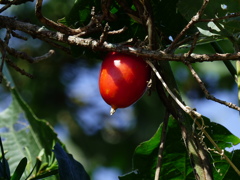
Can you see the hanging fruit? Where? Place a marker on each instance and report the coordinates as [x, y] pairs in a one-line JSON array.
[[123, 79]]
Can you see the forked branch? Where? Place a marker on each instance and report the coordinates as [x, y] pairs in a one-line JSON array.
[[188, 26], [195, 116]]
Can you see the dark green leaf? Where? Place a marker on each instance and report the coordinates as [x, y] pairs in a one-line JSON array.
[[80, 14], [20, 169], [4, 166], [69, 168], [221, 135], [231, 174], [176, 163]]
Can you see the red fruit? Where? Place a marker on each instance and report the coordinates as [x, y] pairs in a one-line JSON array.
[[123, 79]]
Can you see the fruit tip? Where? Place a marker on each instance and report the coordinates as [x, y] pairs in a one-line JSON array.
[[112, 111]]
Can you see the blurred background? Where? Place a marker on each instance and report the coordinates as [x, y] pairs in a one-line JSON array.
[[64, 91]]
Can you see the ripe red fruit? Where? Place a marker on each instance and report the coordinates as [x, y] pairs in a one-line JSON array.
[[123, 79]]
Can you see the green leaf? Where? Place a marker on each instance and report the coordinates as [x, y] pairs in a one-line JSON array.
[[20, 169], [176, 162], [145, 155], [222, 136], [4, 166], [69, 168], [231, 174], [80, 14], [24, 135]]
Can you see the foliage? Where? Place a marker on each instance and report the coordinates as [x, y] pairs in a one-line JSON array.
[[33, 139], [32, 148], [25, 136], [69, 168], [176, 163], [222, 28]]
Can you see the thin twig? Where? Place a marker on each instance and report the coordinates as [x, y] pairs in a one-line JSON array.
[[161, 146], [195, 38], [15, 3], [18, 69], [38, 32], [7, 6], [119, 31], [91, 27], [16, 35], [106, 6], [182, 42], [56, 44], [43, 57], [104, 34], [195, 116], [200, 82], [4, 53], [25, 56], [190, 24], [219, 150], [220, 18], [184, 108], [205, 91], [195, 75], [133, 14]]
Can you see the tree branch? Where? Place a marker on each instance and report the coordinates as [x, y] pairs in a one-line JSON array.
[[190, 24], [162, 145], [91, 27], [14, 2], [220, 18], [25, 56], [42, 33], [8, 3], [18, 69]]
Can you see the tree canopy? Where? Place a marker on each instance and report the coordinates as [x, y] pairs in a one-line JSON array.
[[51, 53]]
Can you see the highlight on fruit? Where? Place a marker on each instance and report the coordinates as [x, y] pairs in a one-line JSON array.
[[123, 79]]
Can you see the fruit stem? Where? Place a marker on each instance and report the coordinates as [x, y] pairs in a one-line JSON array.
[[112, 111]]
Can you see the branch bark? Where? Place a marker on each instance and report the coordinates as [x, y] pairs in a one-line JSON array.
[[43, 33]]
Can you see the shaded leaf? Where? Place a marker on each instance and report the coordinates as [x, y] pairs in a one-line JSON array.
[[4, 166], [80, 14], [176, 164], [69, 168], [20, 169]]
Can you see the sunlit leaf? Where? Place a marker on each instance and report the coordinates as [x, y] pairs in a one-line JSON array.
[[176, 163], [24, 135]]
